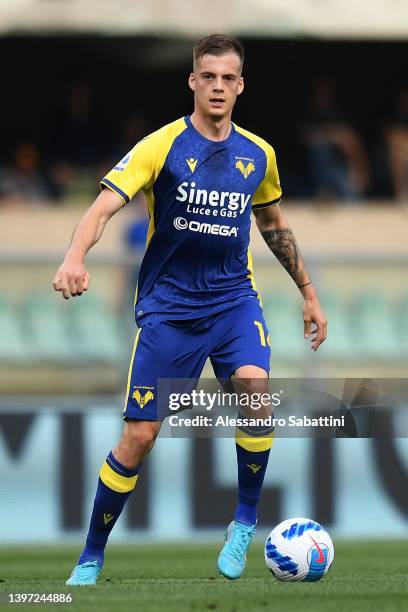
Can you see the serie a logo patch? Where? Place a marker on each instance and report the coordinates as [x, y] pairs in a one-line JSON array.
[[120, 166]]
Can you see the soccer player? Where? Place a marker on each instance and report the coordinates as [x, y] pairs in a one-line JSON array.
[[202, 176]]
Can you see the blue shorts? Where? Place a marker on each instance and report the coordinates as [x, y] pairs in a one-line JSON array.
[[179, 349]]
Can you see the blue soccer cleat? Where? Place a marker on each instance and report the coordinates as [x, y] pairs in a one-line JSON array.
[[232, 559], [85, 574]]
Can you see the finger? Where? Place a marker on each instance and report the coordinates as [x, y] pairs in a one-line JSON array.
[[64, 289], [307, 328], [85, 281], [72, 287], [56, 283], [80, 286], [319, 333], [315, 343], [320, 337]]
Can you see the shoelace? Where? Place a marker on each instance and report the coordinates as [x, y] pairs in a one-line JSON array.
[[240, 543]]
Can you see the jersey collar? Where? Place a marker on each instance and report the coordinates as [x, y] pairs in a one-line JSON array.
[[215, 143]]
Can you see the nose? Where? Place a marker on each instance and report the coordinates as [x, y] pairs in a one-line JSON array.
[[217, 86]]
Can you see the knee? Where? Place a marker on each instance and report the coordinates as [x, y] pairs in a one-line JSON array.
[[251, 379], [142, 434], [138, 438]]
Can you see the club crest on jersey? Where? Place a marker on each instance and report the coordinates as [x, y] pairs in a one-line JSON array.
[[245, 166], [191, 162], [143, 398]]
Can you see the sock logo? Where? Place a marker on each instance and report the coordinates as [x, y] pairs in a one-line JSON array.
[[107, 518], [255, 468], [142, 400]]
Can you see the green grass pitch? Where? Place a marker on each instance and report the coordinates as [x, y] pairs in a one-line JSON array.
[[365, 576]]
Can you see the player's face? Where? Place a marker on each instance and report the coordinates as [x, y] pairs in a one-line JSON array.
[[216, 82]]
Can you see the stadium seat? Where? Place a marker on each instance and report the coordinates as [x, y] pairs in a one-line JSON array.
[[13, 347], [97, 329], [46, 331], [283, 314], [374, 328]]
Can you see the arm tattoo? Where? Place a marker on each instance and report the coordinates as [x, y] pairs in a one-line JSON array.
[[283, 245]]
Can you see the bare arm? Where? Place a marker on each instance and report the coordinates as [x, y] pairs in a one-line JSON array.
[[279, 237], [72, 277]]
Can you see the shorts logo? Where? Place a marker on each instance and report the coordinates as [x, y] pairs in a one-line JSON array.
[[205, 228], [191, 162], [245, 169], [141, 399]]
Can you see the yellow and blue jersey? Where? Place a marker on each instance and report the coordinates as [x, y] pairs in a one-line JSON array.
[[200, 194]]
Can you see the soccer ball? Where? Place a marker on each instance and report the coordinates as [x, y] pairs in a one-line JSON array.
[[299, 549]]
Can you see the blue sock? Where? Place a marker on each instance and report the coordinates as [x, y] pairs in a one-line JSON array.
[[115, 484], [251, 472]]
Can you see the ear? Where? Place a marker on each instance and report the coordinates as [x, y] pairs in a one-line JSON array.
[[241, 86], [191, 81]]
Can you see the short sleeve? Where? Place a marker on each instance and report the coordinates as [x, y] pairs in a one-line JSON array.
[[134, 172], [269, 191]]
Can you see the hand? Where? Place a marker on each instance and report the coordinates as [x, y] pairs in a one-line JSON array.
[[71, 278], [313, 314]]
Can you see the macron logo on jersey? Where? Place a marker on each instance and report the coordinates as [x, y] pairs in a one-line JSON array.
[[201, 197]]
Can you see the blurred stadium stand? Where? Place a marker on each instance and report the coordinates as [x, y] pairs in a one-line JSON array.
[[338, 136], [358, 258], [387, 19], [42, 331]]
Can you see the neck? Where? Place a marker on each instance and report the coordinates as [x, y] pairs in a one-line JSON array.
[[210, 127]]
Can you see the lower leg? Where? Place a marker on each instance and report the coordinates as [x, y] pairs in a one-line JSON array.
[[137, 440], [117, 479], [253, 446], [252, 464]]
